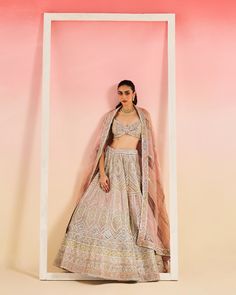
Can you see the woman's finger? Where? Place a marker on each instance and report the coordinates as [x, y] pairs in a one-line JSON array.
[[106, 187], [103, 186], [108, 183]]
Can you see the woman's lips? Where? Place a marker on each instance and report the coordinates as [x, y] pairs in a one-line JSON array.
[[124, 100]]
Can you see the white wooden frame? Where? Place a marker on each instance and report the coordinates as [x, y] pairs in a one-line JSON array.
[[48, 18]]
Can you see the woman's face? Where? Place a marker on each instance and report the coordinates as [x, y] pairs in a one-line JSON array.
[[125, 95]]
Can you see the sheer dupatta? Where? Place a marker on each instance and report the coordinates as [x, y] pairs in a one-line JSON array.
[[154, 223]]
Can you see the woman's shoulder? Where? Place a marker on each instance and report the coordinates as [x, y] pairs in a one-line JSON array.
[[109, 112], [145, 111], [107, 115]]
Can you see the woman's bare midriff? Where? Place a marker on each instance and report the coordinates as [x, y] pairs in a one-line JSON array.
[[125, 142]]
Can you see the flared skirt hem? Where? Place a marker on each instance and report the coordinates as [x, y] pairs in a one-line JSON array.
[[102, 236]]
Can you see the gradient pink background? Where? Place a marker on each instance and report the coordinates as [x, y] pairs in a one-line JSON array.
[[205, 113]]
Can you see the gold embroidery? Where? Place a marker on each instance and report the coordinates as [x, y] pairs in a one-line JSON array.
[[102, 236]]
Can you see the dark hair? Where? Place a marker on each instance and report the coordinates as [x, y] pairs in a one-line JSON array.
[[130, 84]]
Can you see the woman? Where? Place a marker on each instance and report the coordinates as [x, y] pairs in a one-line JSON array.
[[119, 229]]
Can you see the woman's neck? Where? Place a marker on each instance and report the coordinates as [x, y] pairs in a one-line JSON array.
[[128, 109]]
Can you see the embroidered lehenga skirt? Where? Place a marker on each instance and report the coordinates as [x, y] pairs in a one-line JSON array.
[[101, 237]]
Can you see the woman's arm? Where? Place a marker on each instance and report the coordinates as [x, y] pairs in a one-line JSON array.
[[102, 157], [103, 178], [101, 164]]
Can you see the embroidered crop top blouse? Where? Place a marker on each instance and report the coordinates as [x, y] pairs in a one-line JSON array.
[[133, 129]]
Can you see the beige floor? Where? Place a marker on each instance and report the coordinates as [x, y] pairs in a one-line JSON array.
[[220, 279]]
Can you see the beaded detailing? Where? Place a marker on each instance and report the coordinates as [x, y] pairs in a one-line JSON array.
[[133, 129]]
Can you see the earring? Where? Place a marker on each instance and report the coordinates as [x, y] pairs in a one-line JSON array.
[[133, 98]]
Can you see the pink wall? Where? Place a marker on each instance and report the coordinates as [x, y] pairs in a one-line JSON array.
[[206, 114]]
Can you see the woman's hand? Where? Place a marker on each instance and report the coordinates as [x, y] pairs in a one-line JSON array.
[[166, 263], [104, 182]]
